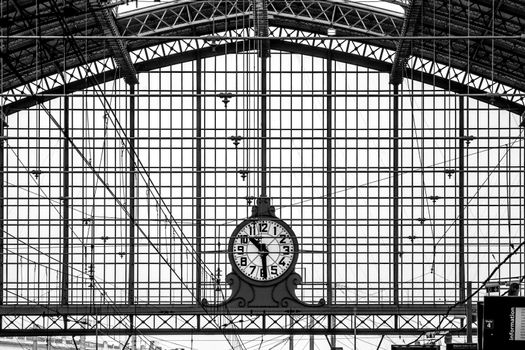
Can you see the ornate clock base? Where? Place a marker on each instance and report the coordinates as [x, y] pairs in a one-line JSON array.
[[281, 295], [270, 281]]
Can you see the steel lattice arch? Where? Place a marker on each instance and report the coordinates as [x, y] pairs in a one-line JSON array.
[[130, 150]]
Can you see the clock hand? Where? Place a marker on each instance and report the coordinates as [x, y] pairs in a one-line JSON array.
[[264, 253], [257, 244]]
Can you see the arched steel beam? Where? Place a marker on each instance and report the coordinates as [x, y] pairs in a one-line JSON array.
[[278, 45], [205, 18], [435, 18], [195, 18]]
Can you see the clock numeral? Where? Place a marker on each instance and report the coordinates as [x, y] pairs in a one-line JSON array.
[[244, 239], [283, 238], [275, 230], [253, 269], [240, 249], [273, 270], [244, 261], [263, 227], [262, 273], [286, 249], [282, 262]]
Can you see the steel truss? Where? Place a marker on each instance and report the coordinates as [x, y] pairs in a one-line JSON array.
[[56, 320], [163, 319], [348, 18], [483, 57], [167, 319], [187, 50], [190, 17], [287, 18], [22, 56]]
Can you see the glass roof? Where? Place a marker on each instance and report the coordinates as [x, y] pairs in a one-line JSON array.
[[392, 6]]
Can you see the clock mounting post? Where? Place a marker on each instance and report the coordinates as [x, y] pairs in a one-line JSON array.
[[264, 146]]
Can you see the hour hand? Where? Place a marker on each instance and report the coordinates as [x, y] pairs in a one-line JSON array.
[[263, 253]]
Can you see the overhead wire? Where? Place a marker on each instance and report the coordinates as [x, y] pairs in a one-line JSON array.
[[82, 272], [119, 128], [475, 292], [482, 184], [107, 187], [460, 302], [110, 191], [424, 195]]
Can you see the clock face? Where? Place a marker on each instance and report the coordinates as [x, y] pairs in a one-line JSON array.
[[262, 249]]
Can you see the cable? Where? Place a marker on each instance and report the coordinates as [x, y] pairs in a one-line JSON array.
[[114, 196], [460, 302], [75, 147], [424, 195], [483, 184]]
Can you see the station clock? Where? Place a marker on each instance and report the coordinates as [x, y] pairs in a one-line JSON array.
[[263, 250]]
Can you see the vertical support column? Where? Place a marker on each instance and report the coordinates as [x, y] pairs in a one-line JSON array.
[[2, 194], [469, 314], [395, 214], [264, 62], [461, 214], [3, 123], [65, 205], [131, 264], [329, 281], [198, 184]]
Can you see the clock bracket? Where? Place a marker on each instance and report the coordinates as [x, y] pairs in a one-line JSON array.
[[280, 294]]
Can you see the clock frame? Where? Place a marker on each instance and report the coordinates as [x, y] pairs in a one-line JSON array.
[[266, 246]]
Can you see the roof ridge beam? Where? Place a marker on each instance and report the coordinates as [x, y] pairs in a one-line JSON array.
[[410, 24]]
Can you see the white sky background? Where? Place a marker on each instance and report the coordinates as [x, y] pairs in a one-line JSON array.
[[278, 343], [413, 269], [140, 4]]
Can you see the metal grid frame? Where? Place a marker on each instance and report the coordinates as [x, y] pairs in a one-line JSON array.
[[321, 113]]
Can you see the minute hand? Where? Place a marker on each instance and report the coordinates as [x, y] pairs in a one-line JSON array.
[[263, 254]]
